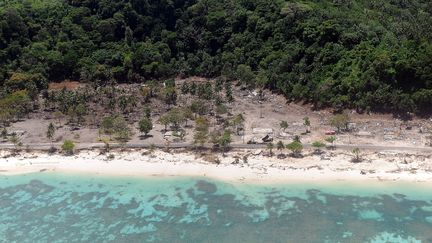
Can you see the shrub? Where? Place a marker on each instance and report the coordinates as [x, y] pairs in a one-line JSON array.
[[296, 148], [68, 147], [145, 125]]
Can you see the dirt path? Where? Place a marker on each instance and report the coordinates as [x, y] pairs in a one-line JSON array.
[[80, 146]]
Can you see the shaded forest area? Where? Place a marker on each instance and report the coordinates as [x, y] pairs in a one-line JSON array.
[[362, 54]]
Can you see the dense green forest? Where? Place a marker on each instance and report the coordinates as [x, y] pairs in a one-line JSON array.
[[364, 54]]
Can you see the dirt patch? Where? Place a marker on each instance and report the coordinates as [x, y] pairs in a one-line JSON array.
[[66, 84]]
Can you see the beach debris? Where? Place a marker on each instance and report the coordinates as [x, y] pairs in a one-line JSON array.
[[314, 167], [18, 133], [330, 132], [265, 131], [283, 134], [168, 134], [245, 159], [389, 137], [267, 139], [364, 134], [352, 126], [257, 152]]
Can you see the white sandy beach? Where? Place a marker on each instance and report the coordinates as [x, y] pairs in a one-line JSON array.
[[259, 168]]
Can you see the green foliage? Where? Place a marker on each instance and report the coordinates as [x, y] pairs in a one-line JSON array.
[[318, 145], [238, 123], [205, 91], [296, 147], [80, 111], [121, 129], [270, 147], [283, 125], [185, 88], [280, 145], [228, 92], [245, 75], [68, 147], [145, 125], [199, 107], [356, 153], [58, 115], [225, 140], [306, 121], [222, 140], [201, 131], [16, 141], [77, 113], [331, 140], [340, 121], [116, 126], [50, 131], [107, 125], [147, 112], [4, 133], [165, 120], [175, 117], [15, 106], [347, 54], [221, 109], [26, 81], [169, 95]]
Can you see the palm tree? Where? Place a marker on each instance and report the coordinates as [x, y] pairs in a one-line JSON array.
[[283, 125], [4, 133], [50, 132], [151, 148], [307, 124], [238, 122], [280, 146], [107, 146], [50, 135], [357, 158], [16, 142]]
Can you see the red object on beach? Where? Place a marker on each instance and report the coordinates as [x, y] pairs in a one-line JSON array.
[[330, 132]]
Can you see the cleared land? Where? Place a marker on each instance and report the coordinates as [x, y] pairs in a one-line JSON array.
[[262, 114]]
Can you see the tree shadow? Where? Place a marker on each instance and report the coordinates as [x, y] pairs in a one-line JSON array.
[[143, 137]]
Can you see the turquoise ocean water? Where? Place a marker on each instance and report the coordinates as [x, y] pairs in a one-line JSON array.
[[50, 207]]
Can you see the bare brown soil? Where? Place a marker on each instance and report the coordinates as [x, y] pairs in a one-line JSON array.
[[66, 84]]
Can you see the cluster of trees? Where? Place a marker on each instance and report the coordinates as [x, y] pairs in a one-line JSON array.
[[352, 53], [219, 136], [14, 106], [116, 126], [296, 147]]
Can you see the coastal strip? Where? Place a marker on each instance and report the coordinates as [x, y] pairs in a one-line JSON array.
[[248, 166]]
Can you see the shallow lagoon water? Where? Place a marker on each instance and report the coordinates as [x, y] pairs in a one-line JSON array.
[[52, 207]]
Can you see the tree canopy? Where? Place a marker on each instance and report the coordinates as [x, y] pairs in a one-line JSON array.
[[346, 53]]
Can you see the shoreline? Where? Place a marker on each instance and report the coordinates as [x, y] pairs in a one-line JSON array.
[[259, 169]]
